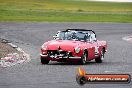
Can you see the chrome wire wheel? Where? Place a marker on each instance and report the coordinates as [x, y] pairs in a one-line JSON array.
[[84, 58], [101, 57]]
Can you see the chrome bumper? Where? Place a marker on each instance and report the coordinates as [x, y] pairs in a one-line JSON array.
[[71, 57], [75, 57], [43, 55]]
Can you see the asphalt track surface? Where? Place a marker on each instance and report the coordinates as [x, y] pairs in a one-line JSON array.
[[30, 36]]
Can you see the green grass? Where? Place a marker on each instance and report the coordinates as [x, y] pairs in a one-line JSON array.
[[64, 11]]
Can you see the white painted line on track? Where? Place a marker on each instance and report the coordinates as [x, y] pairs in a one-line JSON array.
[[127, 38], [116, 72]]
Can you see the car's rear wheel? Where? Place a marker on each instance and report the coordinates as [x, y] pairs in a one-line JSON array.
[[44, 61], [84, 58], [101, 57]]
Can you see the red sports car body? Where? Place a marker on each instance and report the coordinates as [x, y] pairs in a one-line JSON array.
[[73, 45]]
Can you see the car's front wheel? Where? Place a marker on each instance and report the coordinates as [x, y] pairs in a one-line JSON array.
[[101, 57], [84, 58], [44, 61]]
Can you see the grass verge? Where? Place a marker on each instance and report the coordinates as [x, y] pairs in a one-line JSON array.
[[64, 11]]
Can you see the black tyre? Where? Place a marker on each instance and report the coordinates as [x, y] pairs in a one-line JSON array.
[[84, 58], [81, 80], [44, 61], [101, 57]]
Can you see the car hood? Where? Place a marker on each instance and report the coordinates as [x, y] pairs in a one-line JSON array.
[[63, 44]]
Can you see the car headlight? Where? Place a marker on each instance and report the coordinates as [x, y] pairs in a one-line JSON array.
[[77, 50], [44, 47]]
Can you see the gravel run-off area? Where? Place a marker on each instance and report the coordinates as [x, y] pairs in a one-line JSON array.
[[10, 54]]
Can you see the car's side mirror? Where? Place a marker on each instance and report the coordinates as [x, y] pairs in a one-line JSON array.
[[55, 37]]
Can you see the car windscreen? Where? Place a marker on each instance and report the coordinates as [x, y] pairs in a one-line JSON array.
[[72, 35]]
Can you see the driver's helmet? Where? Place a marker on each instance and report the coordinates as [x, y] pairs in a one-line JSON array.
[[74, 35]]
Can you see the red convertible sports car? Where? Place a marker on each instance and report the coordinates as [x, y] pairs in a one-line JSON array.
[[73, 45]]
